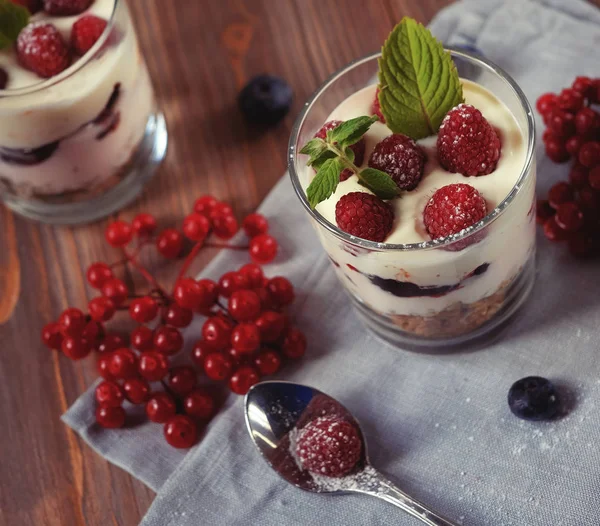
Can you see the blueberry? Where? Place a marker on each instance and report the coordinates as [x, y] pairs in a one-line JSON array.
[[533, 398], [265, 100]]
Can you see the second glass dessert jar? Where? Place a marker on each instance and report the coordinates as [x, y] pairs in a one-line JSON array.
[[435, 293]]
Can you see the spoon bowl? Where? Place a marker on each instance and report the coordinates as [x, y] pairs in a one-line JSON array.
[[275, 411]]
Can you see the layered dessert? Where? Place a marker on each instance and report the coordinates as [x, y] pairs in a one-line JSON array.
[[451, 229], [76, 98]]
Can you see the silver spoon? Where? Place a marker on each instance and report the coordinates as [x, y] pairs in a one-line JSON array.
[[275, 409]]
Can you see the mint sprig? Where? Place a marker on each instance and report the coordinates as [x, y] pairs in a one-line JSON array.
[[331, 155], [13, 18], [418, 81]]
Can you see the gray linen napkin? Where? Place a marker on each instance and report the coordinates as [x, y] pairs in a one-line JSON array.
[[437, 425]]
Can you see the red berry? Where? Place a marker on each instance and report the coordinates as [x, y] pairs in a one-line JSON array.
[[466, 142], [583, 244], [177, 316], [86, 32], [589, 154], [243, 379], [182, 380], [209, 292], [115, 290], [93, 332], [110, 417], [271, 325], [254, 275], [244, 305], [263, 249], [266, 303], [357, 148], [255, 225], [552, 231], [199, 404], [231, 282], [109, 393], [204, 205], [76, 348], [181, 432], [200, 351], [216, 333], [144, 225], [401, 158], [160, 407], [153, 366], [560, 193], [102, 365], [570, 100], [143, 310], [51, 336], [543, 211], [556, 150], [66, 7], [245, 337], [168, 340], [594, 178], [42, 49], [187, 293], [573, 145], [98, 274], [111, 342], [376, 109], [217, 366], [294, 343], [267, 362], [196, 227], [586, 121], [561, 123], [123, 363], [584, 85], [364, 215], [136, 390], [546, 103], [225, 226], [569, 217], [170, 243], [281, 291], [142, 338], [578, 176], [72, 322], [118, 233], [101, 309], [589, 200], [329, 446], [237, 358], [453, 208], [33, 6], [220, 209]]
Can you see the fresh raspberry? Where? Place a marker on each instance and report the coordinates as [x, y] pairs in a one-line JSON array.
[[377, 107], [66, 7], [329, 446], [358, 148], [401, 158], [453, 208], [86, 32], [364, 215], [466, 142], [41, 49]]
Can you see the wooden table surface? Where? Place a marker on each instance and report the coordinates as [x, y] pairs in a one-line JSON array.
[[199, 53]]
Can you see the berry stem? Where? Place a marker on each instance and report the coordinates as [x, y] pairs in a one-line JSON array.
[[225, 310], [189, 259], [226, 245], [145, 273]]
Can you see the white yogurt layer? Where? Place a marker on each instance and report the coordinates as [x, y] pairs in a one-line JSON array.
[[63, 111], [506, 247]]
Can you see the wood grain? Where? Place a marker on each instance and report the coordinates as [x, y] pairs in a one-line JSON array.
[[199, 54]]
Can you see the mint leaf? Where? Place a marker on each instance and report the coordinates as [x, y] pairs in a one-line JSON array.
[[418, 81], [349, 154], [325, 182], [380, 183], [317, 162], [314, 147], [350, 132], [13, 18]]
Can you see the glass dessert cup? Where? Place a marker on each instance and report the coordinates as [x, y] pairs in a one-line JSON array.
[[441, 293], [81, 145]]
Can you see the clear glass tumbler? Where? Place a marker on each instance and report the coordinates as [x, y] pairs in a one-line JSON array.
[[82, 144], [427, 294]]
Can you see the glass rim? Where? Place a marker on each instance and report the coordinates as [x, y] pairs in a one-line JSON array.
[[433, 243], [72, 69]]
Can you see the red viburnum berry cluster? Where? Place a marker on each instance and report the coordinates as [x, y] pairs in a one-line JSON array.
[[571, 211], [246, 336]]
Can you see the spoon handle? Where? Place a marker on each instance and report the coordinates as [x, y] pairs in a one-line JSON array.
[[377, 485]]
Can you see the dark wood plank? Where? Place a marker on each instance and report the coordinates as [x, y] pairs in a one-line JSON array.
[[199, 55]]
